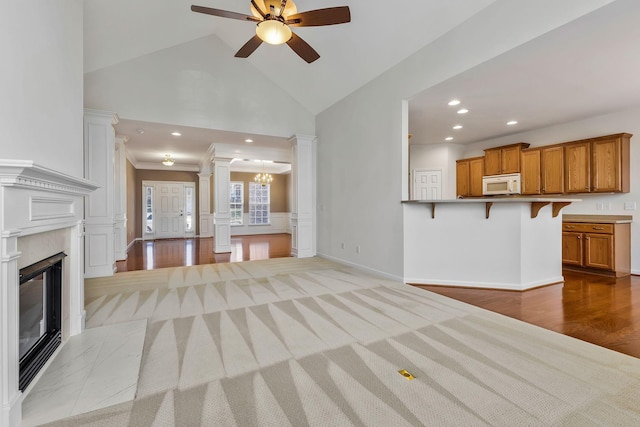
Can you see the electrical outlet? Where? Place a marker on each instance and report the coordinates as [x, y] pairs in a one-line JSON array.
[[599, 206], [629, 206], [606, 206], [358, 249]]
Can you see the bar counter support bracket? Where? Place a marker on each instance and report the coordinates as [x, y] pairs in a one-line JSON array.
[[536, 206], [487, 209], [557, 206]]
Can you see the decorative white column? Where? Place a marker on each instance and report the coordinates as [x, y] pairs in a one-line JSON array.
[[10, 401], [303, 183], [204, 203], [221, 209], [120, 198], [99, 149]]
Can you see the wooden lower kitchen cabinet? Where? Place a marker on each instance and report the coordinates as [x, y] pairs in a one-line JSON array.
[[598, 247]]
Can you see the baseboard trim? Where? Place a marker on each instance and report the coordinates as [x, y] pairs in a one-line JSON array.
[[361, 267], [485, 285]]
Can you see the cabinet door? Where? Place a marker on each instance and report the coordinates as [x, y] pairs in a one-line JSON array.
[[552, 170], [577, 171], [572, 248], [606, 167], [530, 177], [492, 162], [476, 170], [598, 251], [510, 160], [462, 178]]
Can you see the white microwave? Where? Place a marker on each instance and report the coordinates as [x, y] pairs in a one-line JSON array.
[[501, 184]]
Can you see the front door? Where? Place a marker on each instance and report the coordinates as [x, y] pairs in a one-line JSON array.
[[169, 210], [427, 185]]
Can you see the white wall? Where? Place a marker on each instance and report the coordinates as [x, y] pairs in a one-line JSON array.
[[437, 157], [41, 83], [362, 159], [623, 121], [197, 84]]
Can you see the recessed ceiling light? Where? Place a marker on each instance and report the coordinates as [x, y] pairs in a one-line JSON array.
[[248, 140], [456, 127], [454, 102], [463, 111], [512, 122], [449, 138], [176, 133]]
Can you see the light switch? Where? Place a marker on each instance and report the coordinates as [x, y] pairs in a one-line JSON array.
[[629, 206]]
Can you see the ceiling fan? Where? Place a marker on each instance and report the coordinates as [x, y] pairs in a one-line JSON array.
[[274, 17]]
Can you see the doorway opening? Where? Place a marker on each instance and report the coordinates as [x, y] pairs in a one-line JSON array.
[[168, 210]]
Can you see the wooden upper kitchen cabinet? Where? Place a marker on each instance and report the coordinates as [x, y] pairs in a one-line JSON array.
[[462, 178], [469, 177], [597, 165], [530, 171], [577, 167], [476, 171], [610, 163], [552, 165], [505, 159]]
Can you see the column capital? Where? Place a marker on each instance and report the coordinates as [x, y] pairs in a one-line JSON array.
[[298, 138]]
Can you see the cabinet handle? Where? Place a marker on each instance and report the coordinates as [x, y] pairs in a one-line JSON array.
[[570, 226], [579, 237], [598, 228]]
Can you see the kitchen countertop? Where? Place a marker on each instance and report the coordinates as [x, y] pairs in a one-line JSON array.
[[601, 219], [508, 199]]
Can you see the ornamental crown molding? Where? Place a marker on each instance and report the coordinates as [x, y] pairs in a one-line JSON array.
[[107, 115], [27, 174]]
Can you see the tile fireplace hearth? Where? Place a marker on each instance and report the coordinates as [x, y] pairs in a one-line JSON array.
[[41, 215]]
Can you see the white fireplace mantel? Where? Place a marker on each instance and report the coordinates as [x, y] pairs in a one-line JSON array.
[[35, 199]]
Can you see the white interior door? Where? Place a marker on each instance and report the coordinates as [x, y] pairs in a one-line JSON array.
[[427, 184], [168, 213]]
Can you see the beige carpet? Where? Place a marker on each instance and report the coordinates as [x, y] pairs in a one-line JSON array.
[[291, 342]]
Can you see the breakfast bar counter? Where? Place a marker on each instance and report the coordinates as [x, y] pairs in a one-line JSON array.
[[492, 242]]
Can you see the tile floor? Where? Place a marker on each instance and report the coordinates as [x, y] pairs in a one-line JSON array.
[[96, 369]]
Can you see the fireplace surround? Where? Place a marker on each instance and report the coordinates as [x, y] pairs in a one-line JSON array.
[[41, 215]]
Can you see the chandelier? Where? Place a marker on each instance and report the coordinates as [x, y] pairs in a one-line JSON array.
[[263, 178], [168, 161]]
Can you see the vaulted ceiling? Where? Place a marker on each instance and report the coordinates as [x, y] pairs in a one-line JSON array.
[[584, 68]]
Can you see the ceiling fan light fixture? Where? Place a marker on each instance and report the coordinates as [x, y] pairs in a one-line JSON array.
[[265, 5], [273, 32]]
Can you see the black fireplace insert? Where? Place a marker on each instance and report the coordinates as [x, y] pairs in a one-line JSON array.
[[40, 315]]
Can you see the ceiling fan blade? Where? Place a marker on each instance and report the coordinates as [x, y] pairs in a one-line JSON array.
[[249, 47], [318, 17], [302, 48], [224, 13]]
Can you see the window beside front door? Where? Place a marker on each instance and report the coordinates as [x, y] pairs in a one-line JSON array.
[[236, 202], [259, 204]]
